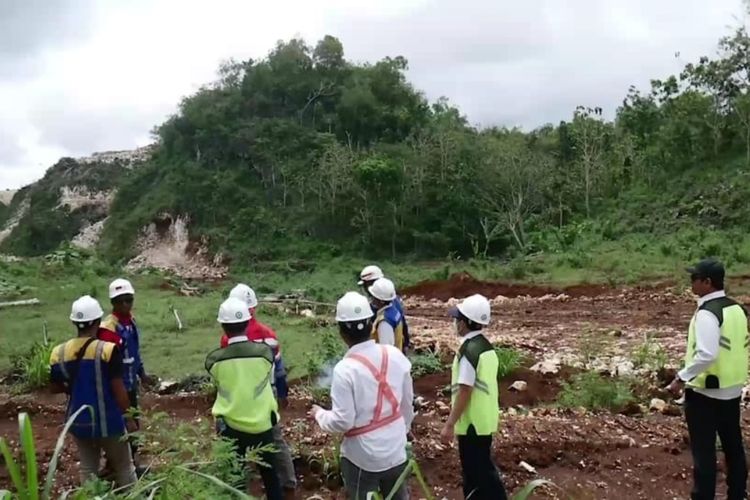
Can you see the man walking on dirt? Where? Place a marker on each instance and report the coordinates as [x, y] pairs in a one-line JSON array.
[[474, 401], [716, 364], [367, 278], [90, 372], [259, 332], [371, 399], [120, 328], [245, 408]]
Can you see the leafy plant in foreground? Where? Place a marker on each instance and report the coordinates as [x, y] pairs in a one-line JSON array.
[[29, 488]]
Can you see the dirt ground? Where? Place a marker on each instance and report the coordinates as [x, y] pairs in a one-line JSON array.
[[638, 455]]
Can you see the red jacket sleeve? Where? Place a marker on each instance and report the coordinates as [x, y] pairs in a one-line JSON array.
[[109, 336]]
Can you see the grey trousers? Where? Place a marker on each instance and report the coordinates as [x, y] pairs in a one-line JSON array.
[[358, 483], [284, 463], [117, 452]]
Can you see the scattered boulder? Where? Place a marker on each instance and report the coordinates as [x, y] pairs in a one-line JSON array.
[[518, 385], [547, 367], [657, 405]]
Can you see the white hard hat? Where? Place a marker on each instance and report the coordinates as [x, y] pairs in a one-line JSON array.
[[370, 273], [86, 309], [476, 308], [120, 287], [233, 310], [353, 306], [383, 289], [245, 294]]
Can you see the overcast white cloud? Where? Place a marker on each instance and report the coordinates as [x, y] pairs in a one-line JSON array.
[[78, 76]]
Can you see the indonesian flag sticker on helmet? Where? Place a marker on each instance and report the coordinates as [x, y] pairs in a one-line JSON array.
[[120, 287], [370, 273], [353, 306], [233, 310]]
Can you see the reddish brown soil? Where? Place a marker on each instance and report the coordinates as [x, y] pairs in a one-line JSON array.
[[463, 284]]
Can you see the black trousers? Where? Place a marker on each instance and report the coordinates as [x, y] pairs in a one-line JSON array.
[[481, 477], [242, 442], [706, 417]]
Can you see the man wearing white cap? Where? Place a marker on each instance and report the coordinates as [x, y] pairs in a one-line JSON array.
[[474, 401], [371, 405], [367, 278]]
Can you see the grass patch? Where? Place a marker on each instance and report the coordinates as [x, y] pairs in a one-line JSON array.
[[594, 391], [425, 363], [650, 354], [509, 360]]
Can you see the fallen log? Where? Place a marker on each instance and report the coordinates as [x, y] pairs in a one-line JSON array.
[[15, 303]]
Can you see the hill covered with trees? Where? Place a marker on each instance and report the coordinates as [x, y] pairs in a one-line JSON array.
[[303, 153]]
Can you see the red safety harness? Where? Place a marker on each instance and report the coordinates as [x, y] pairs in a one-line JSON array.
[[384, 392]]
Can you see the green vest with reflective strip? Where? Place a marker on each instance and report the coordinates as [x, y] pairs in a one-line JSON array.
[[730, 367], [244, 400], [483, 410]]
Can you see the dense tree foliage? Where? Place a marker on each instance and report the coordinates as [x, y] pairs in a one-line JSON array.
[[306, 152]]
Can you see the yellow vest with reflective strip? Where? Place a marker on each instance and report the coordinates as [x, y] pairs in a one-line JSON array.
[[731, 365], [483, 411], [398, 329], [242, 372]]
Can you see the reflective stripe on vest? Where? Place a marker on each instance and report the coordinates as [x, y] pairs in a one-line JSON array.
[[100, 388], [384, 392], [61, 360], [730, 367]]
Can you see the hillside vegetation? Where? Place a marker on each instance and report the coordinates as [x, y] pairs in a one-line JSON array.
[[304, 154]]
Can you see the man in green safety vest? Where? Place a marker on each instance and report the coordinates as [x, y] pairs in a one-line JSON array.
[[474, 401], [245, 408], [716, 364]]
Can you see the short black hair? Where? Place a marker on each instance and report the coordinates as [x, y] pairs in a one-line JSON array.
[[356, 331], [710, 269], [234, 329]]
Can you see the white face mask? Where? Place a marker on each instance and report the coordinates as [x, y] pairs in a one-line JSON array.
[[455, 326]]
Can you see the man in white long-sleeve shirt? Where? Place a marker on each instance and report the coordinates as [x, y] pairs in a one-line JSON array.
[[716, 369], [371, 396]]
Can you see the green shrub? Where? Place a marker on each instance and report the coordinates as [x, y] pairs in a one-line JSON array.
[[650, 354], [594, 391], [509, 360], [30, 369], [425, 363]]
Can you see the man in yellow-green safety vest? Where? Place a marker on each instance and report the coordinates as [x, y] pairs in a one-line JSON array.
[[716, 364], [245, 409], [474, 401]]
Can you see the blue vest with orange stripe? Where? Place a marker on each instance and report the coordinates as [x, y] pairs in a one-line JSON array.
[[91, 385]]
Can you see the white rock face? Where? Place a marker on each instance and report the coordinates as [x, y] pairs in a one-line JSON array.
[[76, 197]]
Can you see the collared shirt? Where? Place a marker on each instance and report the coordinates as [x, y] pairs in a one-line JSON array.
[[467, 374], [354, 393], [707, 334]]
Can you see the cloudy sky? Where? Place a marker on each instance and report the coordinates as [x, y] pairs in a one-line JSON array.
[[78, 76]]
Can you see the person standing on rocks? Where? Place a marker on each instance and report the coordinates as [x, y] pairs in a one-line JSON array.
[[474, 401], [367, 278], [371, 399], [259, 332], [90, 372], [716, 365], [121, 329]]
